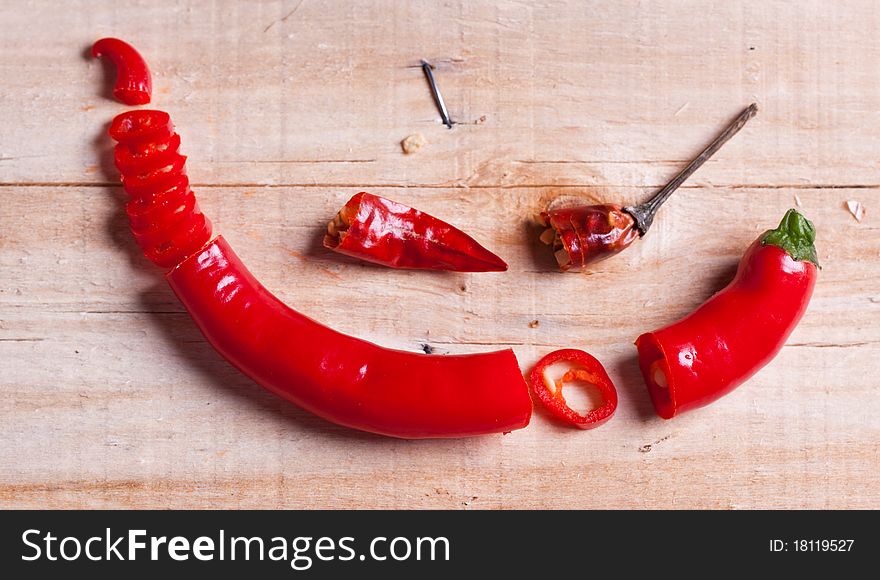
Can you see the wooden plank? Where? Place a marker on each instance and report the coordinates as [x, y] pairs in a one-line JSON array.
[[572, 93], [106, 361], [113, 399]]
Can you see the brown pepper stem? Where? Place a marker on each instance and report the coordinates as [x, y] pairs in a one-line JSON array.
[[644, 214]]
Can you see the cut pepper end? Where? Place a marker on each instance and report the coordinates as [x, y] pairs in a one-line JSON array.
[[339, 225], [132, 96], [552, 237], [141, 125], [655, 371]]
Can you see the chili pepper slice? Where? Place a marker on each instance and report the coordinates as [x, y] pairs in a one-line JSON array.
[[587, 234], [165, 220], [154, 179], [187, 238], [735, 333], [385, 232], [141, 129], [134, 85], [142, 210], [582, 367], [152, 156]]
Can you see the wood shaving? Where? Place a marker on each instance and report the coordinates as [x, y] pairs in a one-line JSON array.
[[682, 109], [797, 200], [413, 143], [856, 209]]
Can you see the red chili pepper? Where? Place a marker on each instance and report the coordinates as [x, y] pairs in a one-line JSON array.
[[340, 378], [581, 366], [584, 235], [163, 213], [385, 232], [134, 86], [707, 354], [587, 234], [343, 379]]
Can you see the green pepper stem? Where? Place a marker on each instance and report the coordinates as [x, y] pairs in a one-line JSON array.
[[644, 214], [796, 235]]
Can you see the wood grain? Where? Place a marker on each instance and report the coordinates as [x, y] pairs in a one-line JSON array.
[[111, 397]]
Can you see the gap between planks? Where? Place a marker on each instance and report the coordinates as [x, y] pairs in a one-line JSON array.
[[799, 186]]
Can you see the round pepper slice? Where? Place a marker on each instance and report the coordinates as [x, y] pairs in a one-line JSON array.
[[582, 367], [141, 125]]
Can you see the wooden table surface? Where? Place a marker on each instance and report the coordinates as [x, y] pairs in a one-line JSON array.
[[112, 398]]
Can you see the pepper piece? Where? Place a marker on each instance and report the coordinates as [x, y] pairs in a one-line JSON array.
[[735, 333], [134, 84], [584, 235], [344, 379], [583, 367], [385, 232], [587, 234], [163, 213]]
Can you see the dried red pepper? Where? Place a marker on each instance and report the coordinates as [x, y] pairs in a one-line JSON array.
[[581, 236], [734, 334], [385, 232], [580, 366], [587, 234], [340, 378], [134, 85]]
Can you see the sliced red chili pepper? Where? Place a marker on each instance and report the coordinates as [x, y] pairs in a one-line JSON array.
[[163, 214], [141, 128], [735, 333], [140, 210], [134, 85], [385, 232], [165, 220], [156, 216], [160, 178], [155, 154], [584, 235], [343, 379], [186, 240], [581, 367]]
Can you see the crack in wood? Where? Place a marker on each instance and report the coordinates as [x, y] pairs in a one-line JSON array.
[[604, 161], [294, 161], [284, 18], [834, 344]]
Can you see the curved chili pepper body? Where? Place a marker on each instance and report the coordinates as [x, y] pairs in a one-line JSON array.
[[385, 232], [710, 352], [588, 234], [134, 85], [163, 213], [341, 378]]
